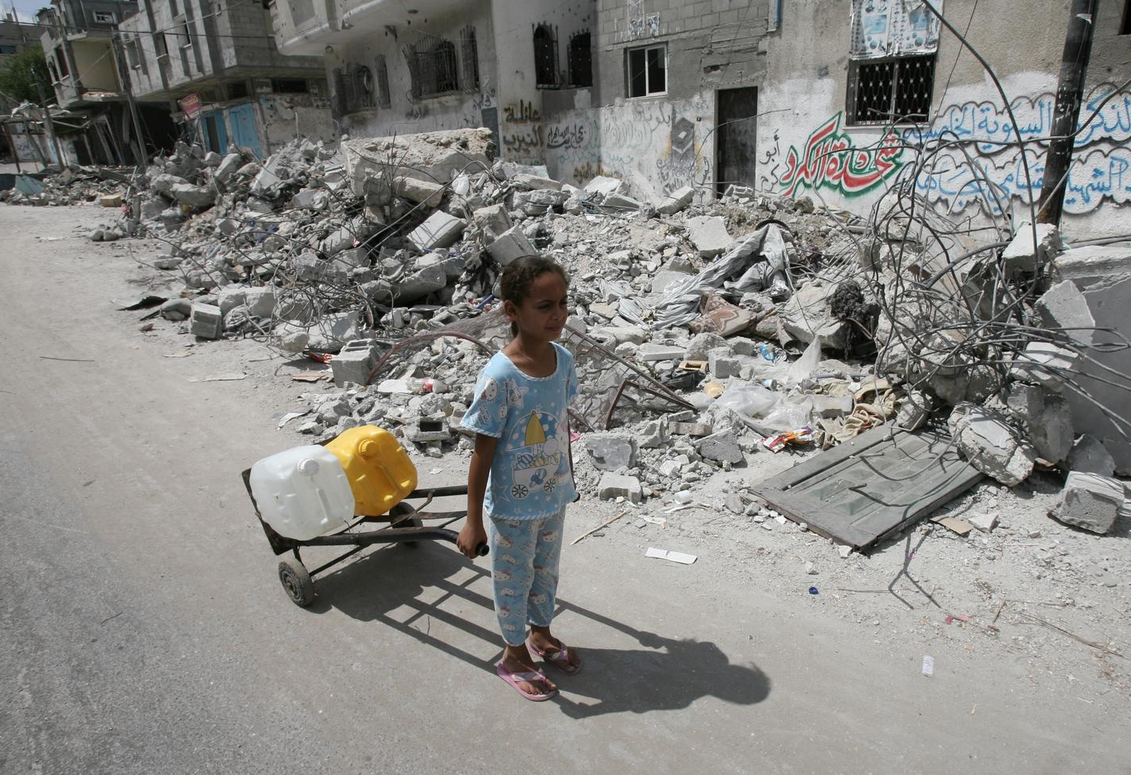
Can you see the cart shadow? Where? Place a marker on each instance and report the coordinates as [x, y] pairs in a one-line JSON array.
[[663, 674]]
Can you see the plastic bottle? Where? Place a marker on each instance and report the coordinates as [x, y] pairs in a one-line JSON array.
[[302, 492], [379, 471]]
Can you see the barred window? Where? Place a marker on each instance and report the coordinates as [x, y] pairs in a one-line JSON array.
[[580, 60], [545, 56], [432, 70], [384, 96], [469, 48], [890, 91]]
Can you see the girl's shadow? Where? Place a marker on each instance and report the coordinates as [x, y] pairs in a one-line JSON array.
[[665, 674]]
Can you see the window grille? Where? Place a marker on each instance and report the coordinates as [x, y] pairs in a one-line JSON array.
[[580, 60], [103, 17], [358, 83], [545, 57], [432, 69], [647, 70], [469, 48], [384, 96], [891, 91]]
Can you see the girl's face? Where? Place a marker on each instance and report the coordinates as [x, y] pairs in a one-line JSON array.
[[542, 314]]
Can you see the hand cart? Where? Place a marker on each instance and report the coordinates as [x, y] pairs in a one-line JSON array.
[[405, 525]]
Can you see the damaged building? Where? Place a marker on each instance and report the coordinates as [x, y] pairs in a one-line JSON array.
[[221, 70]]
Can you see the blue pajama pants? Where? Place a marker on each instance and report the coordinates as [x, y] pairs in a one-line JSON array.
[[524, 571]]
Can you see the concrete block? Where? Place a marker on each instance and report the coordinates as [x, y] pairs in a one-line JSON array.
[[831, 407], [696, 429], [228, 167], [807, 316], [721, 447], [611, 453], [310, 199], [494, 221], [1051, 430], [511, 245], [440, 230], [709, 235], [659, 352], [426, 430], [614, 486], [701, 344], [1045, 364], [619, 203], [207, 321], [527, 182], [355, 361], [991, 444], [1088, 455], [260, 301], [653, 434], [111, 200], [231, 297], [601, 186], [196, 197], [723, 364], [1063, 306], [678, 200], [1089, 501], [420, 283], [427, 192], [1093, 265], [1024, 255]]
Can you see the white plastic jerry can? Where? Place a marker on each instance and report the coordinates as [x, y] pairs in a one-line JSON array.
[[302, 492]]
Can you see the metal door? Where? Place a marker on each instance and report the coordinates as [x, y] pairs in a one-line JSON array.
[[245, 131], [215, 133], [736, 124]]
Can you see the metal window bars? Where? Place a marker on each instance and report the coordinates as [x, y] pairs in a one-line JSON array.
[[891, 90]]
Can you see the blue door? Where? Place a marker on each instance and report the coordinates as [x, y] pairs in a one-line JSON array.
[[245, 133], [215, 133]]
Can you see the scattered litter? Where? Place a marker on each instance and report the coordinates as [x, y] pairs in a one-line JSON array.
[[954, 524], [928, 665], [814, 591], [602, 526], [310, 376], [664, 554], [286, 418], [228, 377]]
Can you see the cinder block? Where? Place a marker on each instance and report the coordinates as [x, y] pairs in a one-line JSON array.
[[439, 231], [206, 321], [511, 245], [355, 361]]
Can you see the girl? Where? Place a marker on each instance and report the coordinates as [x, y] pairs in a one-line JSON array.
[[521, 472]]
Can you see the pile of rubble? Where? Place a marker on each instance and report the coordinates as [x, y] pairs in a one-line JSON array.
[[705, 333], [74, 185]]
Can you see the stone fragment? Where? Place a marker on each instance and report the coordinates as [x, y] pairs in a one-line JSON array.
[[721, 447], [1089, 501], [427, 192], [696, 429], [613, 486], [494, 221], [228, 167], [207, 321], [734, 504], [991, 444], [676, 201], [709, 235], [983, 522], [1051, 431], [611, 453], [1088, 455], [1046, 364], [511, 245], [1024, 255], [600, 187], [310, 199], [807, 316], [659, 352], [701, 344], [231, 297], [653, 434], [526, 182], [167, 262], [1064, 306], [196, 197], [439, 231], [111, 200], [422, 282], [176, 309]]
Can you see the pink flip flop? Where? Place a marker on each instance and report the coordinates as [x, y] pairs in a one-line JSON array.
[[531, 677], [559, 658]]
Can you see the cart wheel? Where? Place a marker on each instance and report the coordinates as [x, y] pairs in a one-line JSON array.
[[297, 582], [413, 522]]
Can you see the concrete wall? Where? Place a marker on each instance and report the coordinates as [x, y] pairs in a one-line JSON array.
[[95, 64], [802, 105], [286, 116]]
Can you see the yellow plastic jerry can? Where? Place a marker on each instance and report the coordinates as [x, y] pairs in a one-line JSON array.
[[380, 472]]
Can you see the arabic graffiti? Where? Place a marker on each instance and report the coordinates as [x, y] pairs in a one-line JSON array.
[[831, 159], [524, 143], [570, 135], [523, 112]]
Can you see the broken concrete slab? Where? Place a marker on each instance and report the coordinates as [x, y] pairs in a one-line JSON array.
[[427, 279], [526, 182], [439, 156], [722, 447], [702, 344], [427, 192], [310, 199], [677, 201], [807, 316], [1051, 430], [1064, 307], [511, 245], [613, 486], [659, 352], [493, 220], [1088, 455], [709, 235], [1089, 501], [611, 453], [1093, 264], [990, 444], [440, 230], [1046, 364], [196, 197], [1023, 255]]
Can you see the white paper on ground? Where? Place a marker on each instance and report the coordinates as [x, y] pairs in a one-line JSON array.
[[928, 665], [664, 554]]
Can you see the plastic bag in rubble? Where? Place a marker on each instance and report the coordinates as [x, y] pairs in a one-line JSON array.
[[788, 416], [748, 400], [803, 367]]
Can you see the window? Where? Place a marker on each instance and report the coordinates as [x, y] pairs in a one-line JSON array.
[[432, 68], [237, 90], [890, 91], [160, 47], [545, 56], [103, 17], [358, 84], [1125, 27], [181, 30], [469, 48], [133, 53], [580, 60], [54, 71], [61, 62], [381, 73], [289, 86], [6, 49], [647, 70]]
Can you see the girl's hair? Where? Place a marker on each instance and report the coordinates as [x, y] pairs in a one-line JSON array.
[[519, 275]]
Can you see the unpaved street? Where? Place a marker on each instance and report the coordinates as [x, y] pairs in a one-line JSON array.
[[144, 629]]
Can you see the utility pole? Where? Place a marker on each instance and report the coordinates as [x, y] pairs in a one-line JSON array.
[[1066, 114], [124, 77]]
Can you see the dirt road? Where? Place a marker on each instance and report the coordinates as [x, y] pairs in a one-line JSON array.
[[144, 629]]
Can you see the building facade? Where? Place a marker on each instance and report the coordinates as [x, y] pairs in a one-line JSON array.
[[223, 58]]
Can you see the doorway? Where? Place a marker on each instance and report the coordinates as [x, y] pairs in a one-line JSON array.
[[736, 122]]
